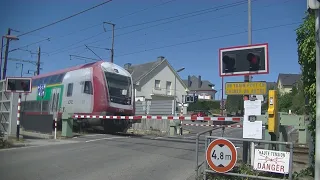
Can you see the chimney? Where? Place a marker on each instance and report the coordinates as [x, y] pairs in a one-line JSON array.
[[199, 82], [189, 81], [127, 66], [161, 58]]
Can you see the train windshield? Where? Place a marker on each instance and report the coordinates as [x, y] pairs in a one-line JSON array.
[[119, 87]]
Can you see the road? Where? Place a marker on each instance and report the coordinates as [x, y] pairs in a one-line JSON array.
[[108, 157]]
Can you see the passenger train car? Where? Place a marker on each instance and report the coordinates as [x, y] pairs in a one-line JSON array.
[[99, 88]]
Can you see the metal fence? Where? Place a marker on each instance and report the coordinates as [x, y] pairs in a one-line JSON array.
[[154, 107], [260, 146]]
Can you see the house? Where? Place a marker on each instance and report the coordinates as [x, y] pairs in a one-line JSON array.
[[156, 80], [287, 81], [203, 88]]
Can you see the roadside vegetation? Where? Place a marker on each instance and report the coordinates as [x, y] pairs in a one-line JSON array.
[[247, 169]]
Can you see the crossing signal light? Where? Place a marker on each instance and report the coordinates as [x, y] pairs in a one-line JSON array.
[[244, 60], [18, 85], [254, 62], [229, 63]]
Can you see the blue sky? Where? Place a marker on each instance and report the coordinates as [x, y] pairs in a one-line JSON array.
[[140, 44]]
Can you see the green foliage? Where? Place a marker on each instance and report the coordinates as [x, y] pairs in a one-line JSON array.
[[234, 103], [307, 60], [204, 105]]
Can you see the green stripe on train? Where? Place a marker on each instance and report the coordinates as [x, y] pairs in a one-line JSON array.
[[48, 93]]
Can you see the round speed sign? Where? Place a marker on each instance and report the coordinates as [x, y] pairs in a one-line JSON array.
[[221, 155]]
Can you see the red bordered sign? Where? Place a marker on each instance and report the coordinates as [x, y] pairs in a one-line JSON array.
[[221, 155]]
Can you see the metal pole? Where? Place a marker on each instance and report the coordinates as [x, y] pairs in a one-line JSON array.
[[247, 79], [222, 103], [317, 137], [21, 70], [55, 128], [1, 55], [18, 117], [6, 56], [175, 95], [112, 48], [38, 62]]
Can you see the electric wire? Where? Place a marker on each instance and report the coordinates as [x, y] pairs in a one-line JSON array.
[[67, 48], [92, 26], [61, 20], [210, 38]]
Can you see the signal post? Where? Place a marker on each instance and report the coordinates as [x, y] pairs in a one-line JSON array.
[[244, 61]]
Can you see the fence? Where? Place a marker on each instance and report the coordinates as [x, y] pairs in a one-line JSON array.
[[153, 107], [40, 123], [288, 172]]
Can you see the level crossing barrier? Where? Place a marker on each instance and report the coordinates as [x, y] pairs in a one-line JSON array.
[[230, 119]]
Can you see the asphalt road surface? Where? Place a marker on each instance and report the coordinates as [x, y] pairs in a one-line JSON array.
[[108, 157]]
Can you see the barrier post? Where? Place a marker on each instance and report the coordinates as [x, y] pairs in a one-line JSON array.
[[55, 128], [18, 117]]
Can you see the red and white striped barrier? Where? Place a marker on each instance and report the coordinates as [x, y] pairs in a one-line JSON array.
[[234, 119], [55, 128], [205, 125], [18, 117]]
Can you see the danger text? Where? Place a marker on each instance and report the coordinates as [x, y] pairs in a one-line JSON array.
[[270, 167]]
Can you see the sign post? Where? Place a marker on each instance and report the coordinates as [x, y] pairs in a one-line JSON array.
[[221, 155], [18, 85], [41, 93]]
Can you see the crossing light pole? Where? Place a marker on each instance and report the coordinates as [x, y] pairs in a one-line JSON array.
[[8, 37]]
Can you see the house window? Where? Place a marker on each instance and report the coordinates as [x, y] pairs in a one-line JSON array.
[[157, 84], [88, 87], [168, 88], [69, 89]]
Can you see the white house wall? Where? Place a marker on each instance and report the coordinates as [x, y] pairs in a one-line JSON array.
[[164, 74]]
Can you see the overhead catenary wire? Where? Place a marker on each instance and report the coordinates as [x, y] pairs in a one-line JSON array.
[[56, 22], [191, 14], [93, 52], [209, 38], [95, 25]]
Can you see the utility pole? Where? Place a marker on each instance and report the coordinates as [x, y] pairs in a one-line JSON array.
[[112, 45], [38, 62], [247, 79], [317, 128], [6, 55]]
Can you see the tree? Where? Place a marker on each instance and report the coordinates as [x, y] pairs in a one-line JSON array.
[[234, 103], [307, 60]]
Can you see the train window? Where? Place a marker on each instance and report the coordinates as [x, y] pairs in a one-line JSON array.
[[70, 89], [53, 79], [88, 87], [60, 77]]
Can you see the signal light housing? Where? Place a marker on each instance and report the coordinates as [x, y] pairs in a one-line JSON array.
[[229, 63], [254, 62]]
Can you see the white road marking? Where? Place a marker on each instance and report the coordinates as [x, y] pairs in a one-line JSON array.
[[89, 135], [107, 139], [237, 147]]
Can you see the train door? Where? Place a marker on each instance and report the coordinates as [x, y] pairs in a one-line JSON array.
[[54, 102]]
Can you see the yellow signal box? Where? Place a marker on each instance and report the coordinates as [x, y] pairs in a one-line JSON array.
[[273, 121]]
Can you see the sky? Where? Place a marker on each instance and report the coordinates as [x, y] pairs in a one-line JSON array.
[[182, 31]]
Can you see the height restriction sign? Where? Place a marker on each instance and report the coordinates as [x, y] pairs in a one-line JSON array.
[[221, 155]]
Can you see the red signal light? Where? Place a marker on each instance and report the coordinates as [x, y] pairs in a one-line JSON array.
[[254, 62]]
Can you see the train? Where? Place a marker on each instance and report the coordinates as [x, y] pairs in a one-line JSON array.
[[97, 88]]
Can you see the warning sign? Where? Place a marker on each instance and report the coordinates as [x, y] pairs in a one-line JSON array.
[[221, 155], [271, 161]]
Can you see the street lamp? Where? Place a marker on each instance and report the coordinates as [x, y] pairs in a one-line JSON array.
[[175, 89], [8, 37]]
